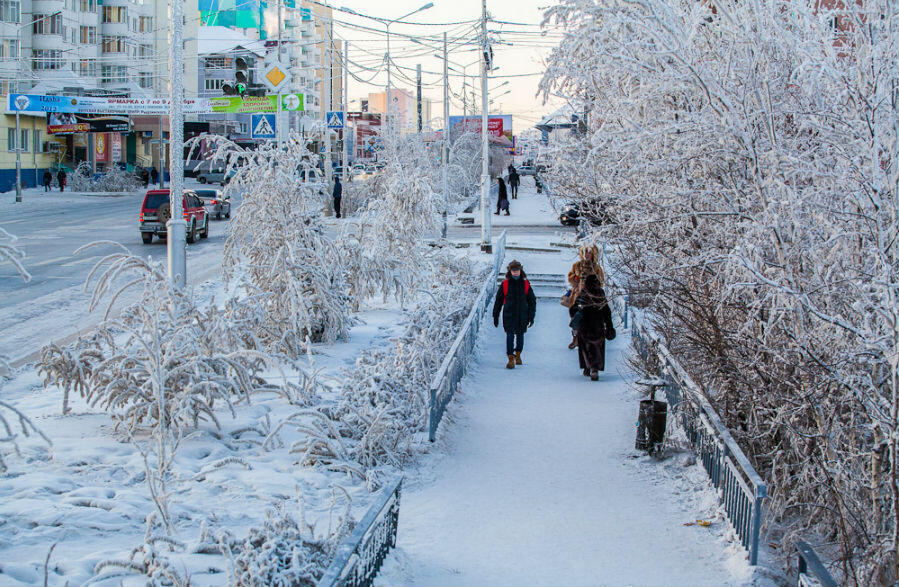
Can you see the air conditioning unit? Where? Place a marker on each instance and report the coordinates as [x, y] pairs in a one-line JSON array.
[[50, 147]]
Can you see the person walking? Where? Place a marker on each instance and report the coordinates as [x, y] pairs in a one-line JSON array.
[[47, 180], [592, 318], [514, 181], [61, 178], [337, 195], [502, 201], [516, 301], [154, 176]]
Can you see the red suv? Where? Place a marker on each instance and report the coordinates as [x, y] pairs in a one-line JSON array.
[[156, 211]]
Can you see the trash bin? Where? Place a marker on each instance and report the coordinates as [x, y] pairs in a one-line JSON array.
[[651, 421]]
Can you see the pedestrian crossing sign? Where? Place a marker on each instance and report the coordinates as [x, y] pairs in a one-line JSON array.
[[263, 126], [335, 119]]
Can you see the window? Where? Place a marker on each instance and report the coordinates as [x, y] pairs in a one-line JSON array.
[[47, 25], [145, 51], [10, 10], [88, 35], [88, 5], [113, 74], [114, 14], [113, 44], [217, 63], [9, 49], [88, 67], [37, 139], [145, 79], [146, 24], [46, 59], [214, 84], [11, 139]]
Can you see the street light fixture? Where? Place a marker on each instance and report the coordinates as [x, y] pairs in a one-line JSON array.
[[387, 22], [18, 132]]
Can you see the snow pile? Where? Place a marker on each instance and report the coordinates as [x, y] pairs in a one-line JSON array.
[[747, 156]]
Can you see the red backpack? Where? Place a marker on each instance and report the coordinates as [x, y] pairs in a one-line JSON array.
[[527, 287]]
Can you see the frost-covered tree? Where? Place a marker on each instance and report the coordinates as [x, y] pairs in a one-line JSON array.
[[278, 254], [747, 155]]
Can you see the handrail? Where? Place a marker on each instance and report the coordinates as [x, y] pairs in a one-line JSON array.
[[452, 368], [740, 488], [810, 566], [360, 556]]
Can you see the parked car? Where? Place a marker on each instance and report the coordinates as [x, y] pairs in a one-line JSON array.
[[526, 170], [215, 176], [590, 211], [358, 169], [217, 205], [155, 211]]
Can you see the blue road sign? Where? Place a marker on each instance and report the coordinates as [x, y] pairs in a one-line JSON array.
[[335, 119], [263, 126]]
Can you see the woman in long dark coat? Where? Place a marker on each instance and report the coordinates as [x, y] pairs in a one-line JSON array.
[[595, 326]]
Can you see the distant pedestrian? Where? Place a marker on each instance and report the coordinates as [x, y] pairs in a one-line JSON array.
[[145, 176], [516, 300], [48, 179], [514, 181], [538, 183], [61, 178], [154, 176], [337, 195], [502, 200]]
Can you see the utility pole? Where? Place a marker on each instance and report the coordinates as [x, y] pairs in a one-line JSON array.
[[176, 227], [279, 132], [161, 157], [446, 134], [18, 159], [418, 96], [486, 245], [346, 101]]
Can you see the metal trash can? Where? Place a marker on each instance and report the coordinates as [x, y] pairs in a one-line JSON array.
[[651, 421]]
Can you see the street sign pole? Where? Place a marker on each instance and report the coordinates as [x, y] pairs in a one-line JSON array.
[[18, 159]]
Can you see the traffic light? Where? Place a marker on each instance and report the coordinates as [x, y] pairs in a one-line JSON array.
[[241, 76]]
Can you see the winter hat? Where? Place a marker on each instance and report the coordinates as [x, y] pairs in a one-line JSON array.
[[514, 265]]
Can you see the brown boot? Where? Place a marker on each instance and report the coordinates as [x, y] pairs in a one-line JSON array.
[[594, 376], [511, 363], [573, 342], [518, 357]]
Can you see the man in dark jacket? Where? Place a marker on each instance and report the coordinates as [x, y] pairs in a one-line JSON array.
[[338, 195], [515, 298], [514, 181], [61, 178], [48, 179], [154, 176]]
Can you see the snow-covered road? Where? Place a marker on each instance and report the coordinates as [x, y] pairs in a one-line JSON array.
[[536, 482]]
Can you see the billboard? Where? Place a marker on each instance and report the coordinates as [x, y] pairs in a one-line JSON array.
[[497, 125], [153, 106], [66, 124]]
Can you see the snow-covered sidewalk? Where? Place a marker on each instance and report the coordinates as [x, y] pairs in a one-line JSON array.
[[535, 481]]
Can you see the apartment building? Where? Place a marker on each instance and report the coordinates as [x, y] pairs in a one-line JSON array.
[[404, 109], [85, 47]]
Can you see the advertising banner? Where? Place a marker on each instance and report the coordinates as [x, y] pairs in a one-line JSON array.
[[497, 125], [151, 106], [66, 124], [115, 147], [101, 150]]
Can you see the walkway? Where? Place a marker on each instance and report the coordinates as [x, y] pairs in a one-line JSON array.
[[535, 482]]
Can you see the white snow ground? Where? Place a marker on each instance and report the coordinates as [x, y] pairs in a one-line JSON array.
[[535, 480]]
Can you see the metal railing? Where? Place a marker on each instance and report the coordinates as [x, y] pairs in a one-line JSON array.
[[740, 488], [811, 571], [453, 367], [360, 557]]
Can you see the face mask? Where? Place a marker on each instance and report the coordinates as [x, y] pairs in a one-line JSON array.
[[516, 276]]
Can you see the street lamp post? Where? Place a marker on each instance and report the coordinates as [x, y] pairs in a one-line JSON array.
[[19, 132], [176, 227]]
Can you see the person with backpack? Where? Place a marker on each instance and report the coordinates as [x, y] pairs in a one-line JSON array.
[[514, 182], [516, 301]]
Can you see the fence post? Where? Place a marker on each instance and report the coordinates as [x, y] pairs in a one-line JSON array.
[[432, 428], [761, 492]]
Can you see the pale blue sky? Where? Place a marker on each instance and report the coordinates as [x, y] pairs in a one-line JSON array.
[[524, 56]]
